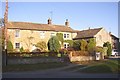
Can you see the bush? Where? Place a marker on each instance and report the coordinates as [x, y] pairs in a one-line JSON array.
[[108, 45], [76, 45], [60, 37], [91, 46], [53, 44], [9, 46], [21, 49], [41, 45], [70, 42], [83, 44]]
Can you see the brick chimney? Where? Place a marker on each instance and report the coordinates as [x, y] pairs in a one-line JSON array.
[[49, 21], [67, 23]]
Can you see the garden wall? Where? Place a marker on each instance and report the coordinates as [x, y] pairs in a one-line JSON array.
[[74, 58], [33, 60]]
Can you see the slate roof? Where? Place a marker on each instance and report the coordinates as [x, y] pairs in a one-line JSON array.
[[87, 33], [37, 26]]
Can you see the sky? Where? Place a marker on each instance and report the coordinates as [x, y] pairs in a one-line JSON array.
[[81, 15]]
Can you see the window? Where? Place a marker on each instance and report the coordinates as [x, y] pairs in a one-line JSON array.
[[42, 34], [17, 33], [17, 45], [66, 35], [66, 45], [53, 34]]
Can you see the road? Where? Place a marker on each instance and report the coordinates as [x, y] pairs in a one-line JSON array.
[[56, 73]]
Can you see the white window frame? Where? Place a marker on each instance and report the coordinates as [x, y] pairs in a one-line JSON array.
[[17, 46], [66, 45], [17, 33], [53, 34], [42, 34], [66, 36]]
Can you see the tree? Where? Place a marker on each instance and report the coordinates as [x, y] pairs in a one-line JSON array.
[[60, 37], [76, 44], [108, 45], [9, 46], [53, 44], [41, 45], [83, 44], [91, 46]]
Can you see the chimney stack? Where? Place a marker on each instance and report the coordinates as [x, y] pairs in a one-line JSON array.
[[67, 23], [49, 21]]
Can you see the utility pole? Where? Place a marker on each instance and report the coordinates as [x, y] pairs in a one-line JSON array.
[[5, 34]]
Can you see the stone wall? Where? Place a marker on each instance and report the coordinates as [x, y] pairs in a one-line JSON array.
[[81, 58], [33, 60]]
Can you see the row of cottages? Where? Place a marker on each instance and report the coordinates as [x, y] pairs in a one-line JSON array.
[[26, 35], [100, 35]]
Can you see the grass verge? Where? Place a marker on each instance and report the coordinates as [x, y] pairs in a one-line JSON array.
[[32, 67]]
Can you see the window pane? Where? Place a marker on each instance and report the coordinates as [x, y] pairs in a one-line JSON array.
[[64, 35], [17, 45], [17, 33]]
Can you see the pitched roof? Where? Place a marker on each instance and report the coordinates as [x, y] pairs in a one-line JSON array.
[[87, 33], [36, 26]]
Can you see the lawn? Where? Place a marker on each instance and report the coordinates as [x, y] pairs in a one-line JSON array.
[[103, 66], [107, 66], [32, 67]]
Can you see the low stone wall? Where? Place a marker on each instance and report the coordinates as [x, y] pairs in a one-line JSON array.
[[32, 60], [81, 58]]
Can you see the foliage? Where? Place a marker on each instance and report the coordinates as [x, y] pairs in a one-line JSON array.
[[105, 51], [108, 45], [60, 37], [41, 45], [70, 42], [76, 45], [21, 49], [80, 53], [99, 49], [9, 46], [83, 44], [91, 46], [53, 44]]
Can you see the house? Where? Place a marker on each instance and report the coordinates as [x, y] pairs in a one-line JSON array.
[[26, 34], [99, 34], [114, 42]]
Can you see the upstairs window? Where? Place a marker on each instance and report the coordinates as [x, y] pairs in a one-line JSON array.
[[53, 34], [17, 33], [66, 35], [42, 34]]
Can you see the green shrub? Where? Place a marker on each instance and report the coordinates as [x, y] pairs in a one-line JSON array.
[[9, 46], [60, 37], [70, 42], [53, 44], [91, 46], [76, 45], [108, 45], [83, 44], [41, 45], [21, 49]]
